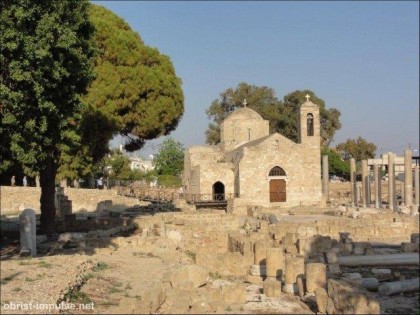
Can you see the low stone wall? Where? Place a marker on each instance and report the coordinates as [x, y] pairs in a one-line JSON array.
[[14, 199], [393, 228], [210, 220]]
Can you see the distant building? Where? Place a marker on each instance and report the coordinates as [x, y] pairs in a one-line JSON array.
[[137, 163]]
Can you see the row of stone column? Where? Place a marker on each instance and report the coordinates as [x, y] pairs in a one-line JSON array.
[[365, 188], [291, 267]]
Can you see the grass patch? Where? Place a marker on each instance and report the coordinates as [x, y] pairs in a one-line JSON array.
[[114, 290], [109, 303], [192, 255], [27, 279], [17, 289], [215, 275], [128, 287], [76, 296], [26, 262], [100, 266], [137, 297], [88, 276], [6, 280], [228, 309], [44, 264]]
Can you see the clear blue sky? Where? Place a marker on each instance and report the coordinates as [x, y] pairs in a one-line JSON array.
[[360, 57]]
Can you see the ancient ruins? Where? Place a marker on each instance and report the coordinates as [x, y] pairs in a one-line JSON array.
[[255, 230]]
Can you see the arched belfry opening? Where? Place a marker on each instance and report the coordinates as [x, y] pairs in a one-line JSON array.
[[218, 191], [310, 124], [277, 184]]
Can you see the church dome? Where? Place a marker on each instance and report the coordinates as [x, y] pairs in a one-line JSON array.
[[243, 113]]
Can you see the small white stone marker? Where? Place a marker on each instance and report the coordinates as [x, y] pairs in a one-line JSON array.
[[28, 232], [244, 103]]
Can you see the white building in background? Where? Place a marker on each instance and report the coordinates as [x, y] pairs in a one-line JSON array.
[[137, 163]]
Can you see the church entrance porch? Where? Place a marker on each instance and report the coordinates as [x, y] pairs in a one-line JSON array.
[[218, 191]]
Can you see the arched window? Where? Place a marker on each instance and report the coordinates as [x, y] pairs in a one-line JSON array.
[[277, 171], [310, 124]]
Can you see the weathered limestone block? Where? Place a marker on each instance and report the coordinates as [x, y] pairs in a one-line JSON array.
[[304, 246], [275, 262], [234, 293], [316, 276], [321, 299], [289, 274], [331, 257], [260, 252], [298, 267], [330, 309], [349, 298], [186, 277], [272, 287], [301, 284], [257, 280], [334, 269], [258, 270]]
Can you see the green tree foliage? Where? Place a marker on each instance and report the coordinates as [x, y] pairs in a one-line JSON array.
[[283, 115], [46, 57], [120, 166], [136, 88], [136, 94], [170, 158], [336, 165], [359, 149]]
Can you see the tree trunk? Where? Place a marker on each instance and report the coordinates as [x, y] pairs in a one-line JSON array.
[[47, 178]]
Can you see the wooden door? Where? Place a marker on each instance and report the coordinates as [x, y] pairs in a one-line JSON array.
[[277, 190]]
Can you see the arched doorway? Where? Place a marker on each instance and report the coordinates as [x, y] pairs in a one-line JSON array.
[[277, 184], [218, 191]]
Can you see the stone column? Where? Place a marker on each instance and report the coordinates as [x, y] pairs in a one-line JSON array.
[[325, 177], [27, 220], [294, 267], [353, 181], [37, 183], [369, 188], [377, 174], [274, 262], [260, 252], [408, 179], [365, 189], [391, 182], [289, 275], [358, 193], [316, 276], [274, 269], [416, 185]]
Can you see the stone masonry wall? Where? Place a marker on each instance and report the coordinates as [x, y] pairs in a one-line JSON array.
[[368, 227], [12, 198]]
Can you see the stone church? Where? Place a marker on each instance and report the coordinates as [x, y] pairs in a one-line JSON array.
[[251, 167]]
